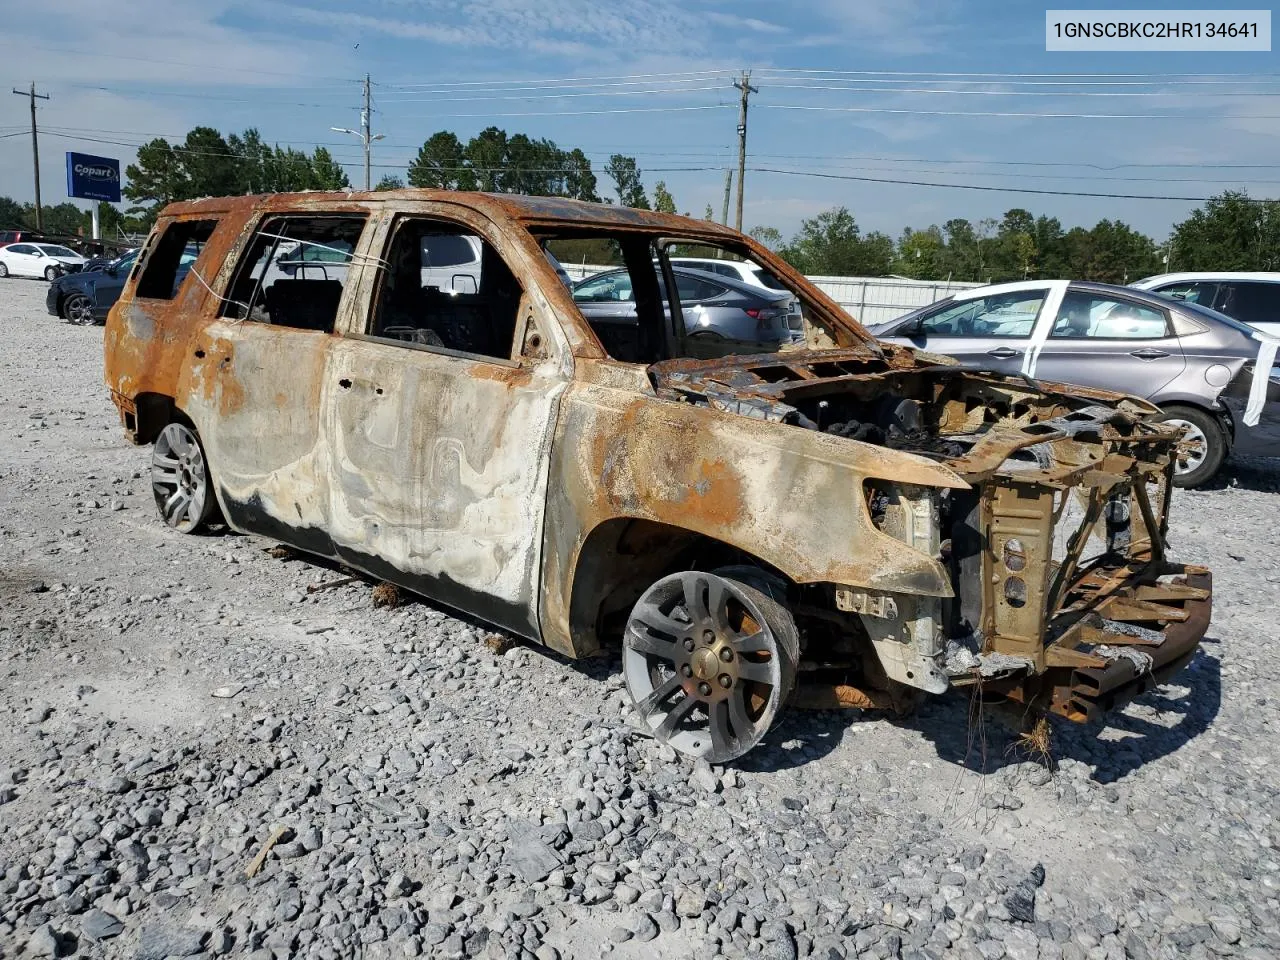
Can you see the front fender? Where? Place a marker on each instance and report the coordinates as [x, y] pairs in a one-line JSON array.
[[792, 497]]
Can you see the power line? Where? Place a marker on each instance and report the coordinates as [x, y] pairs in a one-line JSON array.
[[932, 73], [990, 189], [595, 79], [1029, 93], [1000, 113]]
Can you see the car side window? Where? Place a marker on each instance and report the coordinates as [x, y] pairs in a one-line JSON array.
[[692, 289], [1011, 315], [163, 269], [445, 287], [1250, 301], [606, 288], [1098, 317], [20, 248], [1197, 291], [278, 280]]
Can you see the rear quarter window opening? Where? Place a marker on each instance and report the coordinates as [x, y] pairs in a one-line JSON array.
[[172, 257]]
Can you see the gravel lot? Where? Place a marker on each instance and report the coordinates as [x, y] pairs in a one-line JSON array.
[[170, 704]]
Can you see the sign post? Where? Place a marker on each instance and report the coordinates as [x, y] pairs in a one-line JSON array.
[[93, 178]]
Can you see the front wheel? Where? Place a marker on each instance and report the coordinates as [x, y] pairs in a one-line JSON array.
[[52, 273], [1203, 446], [709, 661], [78, 310], [4, 271], [180, 479]]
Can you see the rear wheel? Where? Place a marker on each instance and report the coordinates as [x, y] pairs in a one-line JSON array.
[[52, 273], [78, 310], [4, 271], [709, 661], [180, 479], [1203, 446]]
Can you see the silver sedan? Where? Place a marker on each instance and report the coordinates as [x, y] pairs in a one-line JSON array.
[[1200, 366]]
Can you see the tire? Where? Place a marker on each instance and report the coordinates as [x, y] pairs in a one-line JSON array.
[[52, 273], [4, 271], [78, 309], [1203, 447], [180, 480], [709, 660]]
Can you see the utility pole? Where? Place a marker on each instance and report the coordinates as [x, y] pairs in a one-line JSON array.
[[35, 146], [364, 133], [747, 89], [728, 185]]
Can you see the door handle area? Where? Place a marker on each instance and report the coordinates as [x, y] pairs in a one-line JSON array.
[[1003, 353], [1148, 353]]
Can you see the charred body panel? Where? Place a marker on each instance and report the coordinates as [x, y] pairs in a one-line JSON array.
[[906, 525]]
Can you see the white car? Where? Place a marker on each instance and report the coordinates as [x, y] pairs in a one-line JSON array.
[[751, 273], [48, 260], [1252, 298]]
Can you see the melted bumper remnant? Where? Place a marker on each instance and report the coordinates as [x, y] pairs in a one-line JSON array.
[[1063, 598]]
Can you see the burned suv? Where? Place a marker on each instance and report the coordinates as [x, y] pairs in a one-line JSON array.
[[846, 521]]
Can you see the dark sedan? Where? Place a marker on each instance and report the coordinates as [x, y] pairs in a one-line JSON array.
[[86, 297]]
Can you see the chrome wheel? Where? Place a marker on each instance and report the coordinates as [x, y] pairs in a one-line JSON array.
[[52, 273], [1193, 448], [4, 271], [708, 662], [79, 310], [180, 479]]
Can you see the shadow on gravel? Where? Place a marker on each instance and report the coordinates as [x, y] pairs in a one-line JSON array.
[[1248, 473], [1154, 726]]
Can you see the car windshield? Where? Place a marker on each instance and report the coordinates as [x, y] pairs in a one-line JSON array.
[[768, 279], [56, 251], [1205, 313], [125, 260]]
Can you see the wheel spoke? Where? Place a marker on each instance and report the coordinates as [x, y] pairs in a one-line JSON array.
[[160, 462], [674, 716], [175, 507], [757, 672], [757, 642], [739, 722], [722, 738], [648, 644], [658, 696], [653, 618]]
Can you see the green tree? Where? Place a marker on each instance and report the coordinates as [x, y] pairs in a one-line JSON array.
[[327, 173], [770, 237], [10, 214], [441, 164], [921, 254], [1230, 232], [157, 178], [663, 202], [389, 181], [486, 156], [625, 174], [579, 178], [831, 244]]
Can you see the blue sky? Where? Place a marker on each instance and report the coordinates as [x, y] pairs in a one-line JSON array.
[[126, 72]]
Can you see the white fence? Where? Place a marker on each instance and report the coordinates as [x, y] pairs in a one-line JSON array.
[[867, 299]]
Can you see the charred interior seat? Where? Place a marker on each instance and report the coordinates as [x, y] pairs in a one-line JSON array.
[[306, 304]]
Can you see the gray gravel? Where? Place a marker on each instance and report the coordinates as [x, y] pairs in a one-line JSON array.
[[168, 702]]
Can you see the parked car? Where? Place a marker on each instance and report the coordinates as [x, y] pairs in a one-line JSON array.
[[48, 260], [728, 518], [719, 308], [1197, 364], [20, 236], [102, 261], [1252, 298], [749, 272], [86, 297]]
